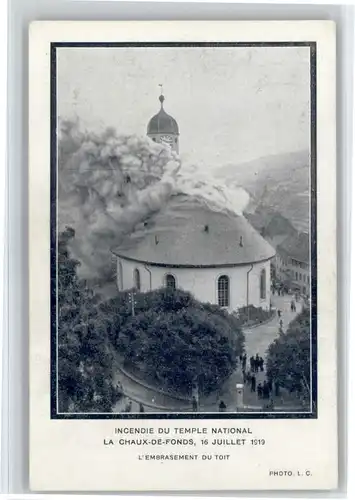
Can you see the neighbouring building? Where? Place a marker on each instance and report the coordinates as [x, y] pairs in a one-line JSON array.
[[275, 228], [292, 262]]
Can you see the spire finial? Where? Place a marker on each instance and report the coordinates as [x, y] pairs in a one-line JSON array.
[[161, 97]]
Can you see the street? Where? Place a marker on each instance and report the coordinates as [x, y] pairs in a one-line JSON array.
[[258, 338]]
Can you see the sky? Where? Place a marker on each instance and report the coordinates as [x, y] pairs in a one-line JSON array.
[[232, 105]]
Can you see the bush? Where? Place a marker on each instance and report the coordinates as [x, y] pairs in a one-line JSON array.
[[85, 380], [176, 341], [288, 358], [252, 314]]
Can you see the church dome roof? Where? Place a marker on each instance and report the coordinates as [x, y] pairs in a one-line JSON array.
[[162, 123], [186, 233]]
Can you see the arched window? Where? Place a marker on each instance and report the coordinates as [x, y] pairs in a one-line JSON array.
[[223, 291], [170, 282], [137, 280], [120, 276], [263, 284]]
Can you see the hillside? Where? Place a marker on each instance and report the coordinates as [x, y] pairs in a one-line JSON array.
[[278, 182]]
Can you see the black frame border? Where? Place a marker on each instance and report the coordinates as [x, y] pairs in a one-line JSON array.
[[53, 235]]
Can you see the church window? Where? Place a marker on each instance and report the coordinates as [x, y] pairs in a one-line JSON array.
[[170, 282], [263, 284], [120, 276], [296, 276], [223, 291], [137, 280]]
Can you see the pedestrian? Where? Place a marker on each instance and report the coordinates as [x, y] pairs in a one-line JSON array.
[[253, 383], [270, 384], [261, 364], [248, 378], [244, 362], [128, 407], [194, 403], [266, 390], [281, 323], [252, 364], [222, 406], [257, 362], [259, 390], [141, 408], [279, 313]]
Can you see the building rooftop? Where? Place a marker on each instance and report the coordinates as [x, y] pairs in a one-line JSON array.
[[186, 233]]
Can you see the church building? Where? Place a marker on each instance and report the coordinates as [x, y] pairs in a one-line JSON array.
[[218, 257]]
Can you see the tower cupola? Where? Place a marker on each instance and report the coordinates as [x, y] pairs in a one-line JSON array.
[[163, 128]]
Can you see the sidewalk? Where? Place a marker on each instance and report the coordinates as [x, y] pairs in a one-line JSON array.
[[258, 338]]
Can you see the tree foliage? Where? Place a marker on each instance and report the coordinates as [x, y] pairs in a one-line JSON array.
[[176, 341], [172, 340], [288, 360], [84, 354]]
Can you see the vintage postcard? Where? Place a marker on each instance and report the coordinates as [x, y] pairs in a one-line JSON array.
[[182, 256]]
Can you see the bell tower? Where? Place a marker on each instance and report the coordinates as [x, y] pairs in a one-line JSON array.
[[163, 128]]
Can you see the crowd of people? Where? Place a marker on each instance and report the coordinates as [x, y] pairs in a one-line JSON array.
[[264, 388]]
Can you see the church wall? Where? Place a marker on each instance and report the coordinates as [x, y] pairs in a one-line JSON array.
[[254, 285], [202, 283]]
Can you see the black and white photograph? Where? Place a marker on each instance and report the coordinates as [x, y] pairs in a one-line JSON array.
[[183, 230]]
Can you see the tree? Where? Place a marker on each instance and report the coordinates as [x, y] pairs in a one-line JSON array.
[[174, 341], [288, 358], [84, 352]]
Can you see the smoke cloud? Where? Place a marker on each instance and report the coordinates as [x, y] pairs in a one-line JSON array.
[[108, 183]]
